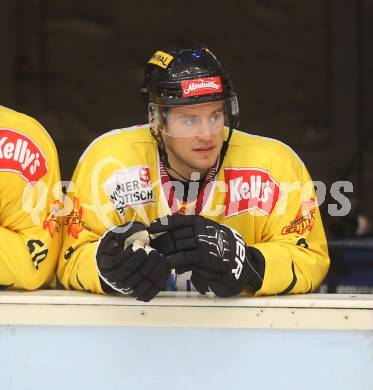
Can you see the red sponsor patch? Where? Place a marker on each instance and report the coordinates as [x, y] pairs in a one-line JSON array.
[[304, 220], [249, 189], [20, 154], [144, 175], [201, 86]]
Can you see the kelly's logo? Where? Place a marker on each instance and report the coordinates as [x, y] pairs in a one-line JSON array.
[[20, 154], [249, 189]]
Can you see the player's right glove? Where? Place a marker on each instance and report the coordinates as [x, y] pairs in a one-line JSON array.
[[127, 264], [215, 253]]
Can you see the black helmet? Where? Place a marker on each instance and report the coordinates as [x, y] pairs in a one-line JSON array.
[[189, 76]]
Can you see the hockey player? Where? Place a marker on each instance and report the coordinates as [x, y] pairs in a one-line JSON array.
[[188, 201], [30, 197]]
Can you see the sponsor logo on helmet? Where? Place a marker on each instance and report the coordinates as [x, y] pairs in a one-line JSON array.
[[201, 86], [250, 189], [161, 59], [304, 220], [129, 187], [20, 154]]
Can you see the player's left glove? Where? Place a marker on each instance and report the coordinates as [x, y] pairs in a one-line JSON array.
[[127, 264], [216, 254]]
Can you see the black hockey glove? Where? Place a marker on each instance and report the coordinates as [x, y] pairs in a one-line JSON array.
[[126, 263], [216, 254]]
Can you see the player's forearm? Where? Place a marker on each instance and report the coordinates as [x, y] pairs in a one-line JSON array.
[[24, 262], [290, 268], [77, 267]]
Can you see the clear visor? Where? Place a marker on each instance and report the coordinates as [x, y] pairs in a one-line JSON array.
[[191, 120]]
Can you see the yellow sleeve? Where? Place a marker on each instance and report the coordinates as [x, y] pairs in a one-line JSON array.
[[89, 215], [30, 240], [91, 210], [77, 264], [293, 240]]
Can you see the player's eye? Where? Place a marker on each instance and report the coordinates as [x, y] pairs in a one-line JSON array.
[[189, 121], [216, 117]]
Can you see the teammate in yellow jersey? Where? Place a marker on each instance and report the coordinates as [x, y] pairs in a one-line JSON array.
[[188, 202], [30, 201]]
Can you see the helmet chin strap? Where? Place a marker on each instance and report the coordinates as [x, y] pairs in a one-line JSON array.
[[164, 156], [224, 149], [163, 153]]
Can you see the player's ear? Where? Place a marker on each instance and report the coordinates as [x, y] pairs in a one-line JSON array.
[[157, 123]]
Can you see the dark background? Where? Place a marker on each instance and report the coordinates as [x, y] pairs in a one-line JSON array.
[[303, 71]]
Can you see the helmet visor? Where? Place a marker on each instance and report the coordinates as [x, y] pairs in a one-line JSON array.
[[191, 120]]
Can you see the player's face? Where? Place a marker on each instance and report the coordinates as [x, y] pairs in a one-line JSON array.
[[194, 137]]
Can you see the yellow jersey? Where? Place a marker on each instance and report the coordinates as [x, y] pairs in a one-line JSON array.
[[30, 199], [262, 190]]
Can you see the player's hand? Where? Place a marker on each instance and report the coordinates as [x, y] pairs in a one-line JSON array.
[[216, 254], [127, 264]]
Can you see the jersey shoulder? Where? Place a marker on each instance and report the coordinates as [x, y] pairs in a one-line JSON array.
[[19, 123], [118, 142], [270, 147], [27, 153]]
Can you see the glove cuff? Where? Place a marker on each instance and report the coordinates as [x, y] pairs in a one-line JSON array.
[[257, 263], [105, 287]]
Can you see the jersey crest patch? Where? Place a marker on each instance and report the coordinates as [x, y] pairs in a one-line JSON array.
[[129, 187], [74, 220], [19, 154], [250, 189], [304, 220], [52, 222]]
